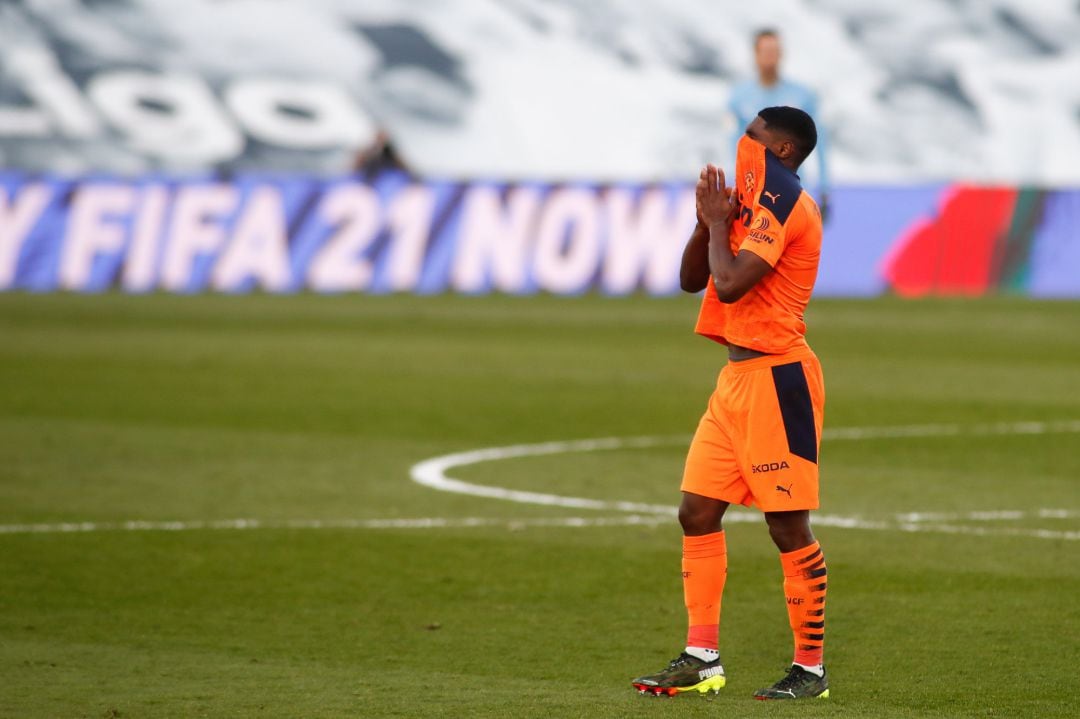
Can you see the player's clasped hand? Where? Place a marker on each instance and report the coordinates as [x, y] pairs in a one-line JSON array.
[[715, 200]]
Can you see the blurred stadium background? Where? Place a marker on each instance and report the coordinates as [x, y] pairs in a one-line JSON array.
[[204, 144], [205, 462]]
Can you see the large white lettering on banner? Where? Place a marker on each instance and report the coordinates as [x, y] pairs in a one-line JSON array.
[[394, 234], [344, 235]]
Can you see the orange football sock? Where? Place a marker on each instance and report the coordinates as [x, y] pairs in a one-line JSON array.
[[704, 570], [804, 586]]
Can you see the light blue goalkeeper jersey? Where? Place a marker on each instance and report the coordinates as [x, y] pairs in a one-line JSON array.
[[749, 97]]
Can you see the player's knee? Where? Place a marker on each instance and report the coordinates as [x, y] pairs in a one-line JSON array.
[[790, 530], [689, 518], [699, 515]]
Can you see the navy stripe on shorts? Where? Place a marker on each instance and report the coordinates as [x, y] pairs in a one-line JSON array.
[[796, 409]]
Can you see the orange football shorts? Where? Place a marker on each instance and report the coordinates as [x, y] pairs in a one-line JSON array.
[[758, 442]]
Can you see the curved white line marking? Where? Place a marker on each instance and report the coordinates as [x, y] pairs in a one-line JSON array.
[[432, 473]]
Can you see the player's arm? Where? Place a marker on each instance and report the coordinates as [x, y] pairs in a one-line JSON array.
[[694, 271], [733, 275]]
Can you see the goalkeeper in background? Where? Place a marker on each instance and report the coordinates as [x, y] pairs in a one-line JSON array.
[[770, 89]]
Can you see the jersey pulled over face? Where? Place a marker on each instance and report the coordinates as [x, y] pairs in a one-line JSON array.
[[781, 224]]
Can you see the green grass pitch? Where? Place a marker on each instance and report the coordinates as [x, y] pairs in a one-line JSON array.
[[195, 409]]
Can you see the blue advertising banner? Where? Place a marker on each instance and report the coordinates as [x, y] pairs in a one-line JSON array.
[[395, 234]]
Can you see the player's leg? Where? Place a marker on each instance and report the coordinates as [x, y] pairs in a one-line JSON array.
[[790, 531], [700, 515], [783, 441], [704, 572], [805, 584], [711, 479]]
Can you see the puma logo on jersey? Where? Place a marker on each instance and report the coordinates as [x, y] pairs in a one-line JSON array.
[[786, 490], [772, 198]]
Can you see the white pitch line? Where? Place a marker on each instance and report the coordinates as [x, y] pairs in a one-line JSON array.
[[432, 473], [991, 531], [141, 525], [985, 516], [626, 520], [952, 430], [397, 523]]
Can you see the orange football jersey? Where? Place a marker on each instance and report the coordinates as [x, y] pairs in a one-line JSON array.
[[780, 223]]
